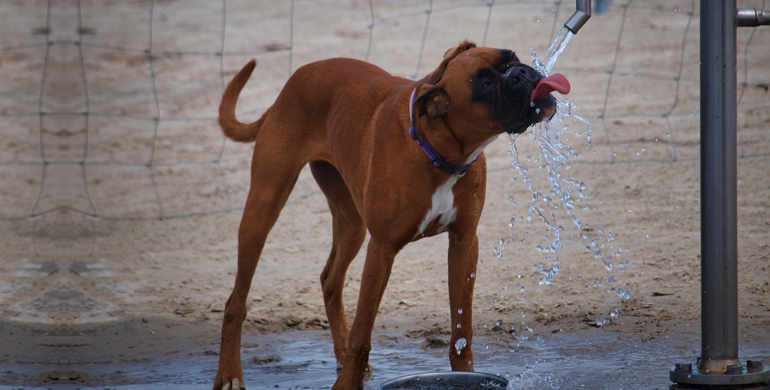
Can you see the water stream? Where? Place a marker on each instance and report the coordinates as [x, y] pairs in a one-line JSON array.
[[557, 47], [561, 140]]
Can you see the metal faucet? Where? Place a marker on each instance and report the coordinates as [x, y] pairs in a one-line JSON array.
[[581, 15]]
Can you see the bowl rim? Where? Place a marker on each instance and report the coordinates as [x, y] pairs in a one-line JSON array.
[[433, 377]]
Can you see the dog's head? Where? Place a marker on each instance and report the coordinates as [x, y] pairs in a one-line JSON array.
[[487, 88]]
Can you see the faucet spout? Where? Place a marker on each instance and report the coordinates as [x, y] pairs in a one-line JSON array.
[[580, 17]]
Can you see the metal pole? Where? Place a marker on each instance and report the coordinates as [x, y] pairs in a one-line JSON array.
[[719, 207], [719, 364]]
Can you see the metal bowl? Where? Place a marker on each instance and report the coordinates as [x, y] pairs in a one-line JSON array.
[[455, 380]]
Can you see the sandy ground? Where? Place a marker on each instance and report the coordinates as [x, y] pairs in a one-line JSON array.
[[132, 221]]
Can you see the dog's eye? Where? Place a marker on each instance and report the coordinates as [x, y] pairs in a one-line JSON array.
[[485, 75]]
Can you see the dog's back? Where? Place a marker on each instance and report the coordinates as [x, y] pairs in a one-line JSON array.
[[313, 94]]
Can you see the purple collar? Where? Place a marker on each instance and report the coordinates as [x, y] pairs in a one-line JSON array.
[[435, 158]]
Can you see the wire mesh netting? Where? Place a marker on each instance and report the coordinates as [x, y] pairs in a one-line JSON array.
[[108, 108]]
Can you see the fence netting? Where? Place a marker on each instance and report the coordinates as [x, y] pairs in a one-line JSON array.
[[108, 108]]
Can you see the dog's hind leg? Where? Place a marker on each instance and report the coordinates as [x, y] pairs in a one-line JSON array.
[[349, 232], [271, 183]]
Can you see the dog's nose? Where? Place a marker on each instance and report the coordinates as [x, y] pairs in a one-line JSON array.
[[520, 73]]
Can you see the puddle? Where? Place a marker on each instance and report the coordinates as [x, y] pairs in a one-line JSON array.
[[36, 268], [91, 268], [592, 359]]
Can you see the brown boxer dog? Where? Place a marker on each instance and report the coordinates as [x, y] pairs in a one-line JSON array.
[[398, 158]]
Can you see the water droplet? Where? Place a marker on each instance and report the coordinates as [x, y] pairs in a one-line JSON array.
[[459, 325], [459, 311], [623, 293], [460, 344]]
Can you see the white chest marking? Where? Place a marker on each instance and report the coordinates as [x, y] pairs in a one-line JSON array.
[[443, 200]]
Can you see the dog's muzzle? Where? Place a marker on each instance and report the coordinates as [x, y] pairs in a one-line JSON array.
[[541, 96], [525, 85]]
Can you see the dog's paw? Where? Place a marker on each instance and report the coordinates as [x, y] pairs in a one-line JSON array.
[[234, 384]]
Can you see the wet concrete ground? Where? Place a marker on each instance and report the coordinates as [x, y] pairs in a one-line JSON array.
[[125, 355]]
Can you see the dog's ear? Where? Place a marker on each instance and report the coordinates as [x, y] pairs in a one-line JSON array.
[[450, 54], [463, 46], [433, 100]]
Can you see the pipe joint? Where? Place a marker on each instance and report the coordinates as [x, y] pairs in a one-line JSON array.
[[749, 17]]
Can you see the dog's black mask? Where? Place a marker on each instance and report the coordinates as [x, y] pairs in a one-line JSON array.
[[507, 87]]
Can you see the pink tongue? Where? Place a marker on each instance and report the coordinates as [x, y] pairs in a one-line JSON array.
[[555, 82]]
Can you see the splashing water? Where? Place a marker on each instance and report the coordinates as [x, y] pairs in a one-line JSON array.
[[552, 139], [549, 273], [530, 380]]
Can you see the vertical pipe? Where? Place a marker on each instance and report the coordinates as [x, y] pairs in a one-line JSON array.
[[719, 220]]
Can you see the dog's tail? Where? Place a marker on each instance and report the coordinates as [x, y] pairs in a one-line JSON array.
[[234, 129]]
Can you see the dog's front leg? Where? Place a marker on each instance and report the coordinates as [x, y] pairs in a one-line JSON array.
[[379, 262], [463, 255]]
